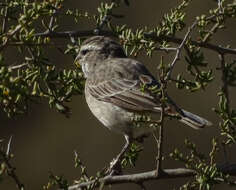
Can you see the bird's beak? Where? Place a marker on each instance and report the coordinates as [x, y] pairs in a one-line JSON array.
[[76, 62]]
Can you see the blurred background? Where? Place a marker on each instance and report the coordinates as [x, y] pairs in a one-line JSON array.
[[44, 140]]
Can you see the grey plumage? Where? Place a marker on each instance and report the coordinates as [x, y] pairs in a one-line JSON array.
[[114, 81], [113, 90]]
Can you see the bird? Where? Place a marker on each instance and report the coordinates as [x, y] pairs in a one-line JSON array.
[[113, 91]]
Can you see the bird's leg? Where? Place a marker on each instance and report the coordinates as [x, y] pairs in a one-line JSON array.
[[115, 165]]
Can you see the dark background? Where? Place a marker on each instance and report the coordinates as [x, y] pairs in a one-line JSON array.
[[44, 140]]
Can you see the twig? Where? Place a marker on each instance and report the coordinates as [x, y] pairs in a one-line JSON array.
[[4, 22], [53, 18], [138, 178], [9, 35], [225, 90], [148, 176], [36, 44], [50, 25], [212, 31], [86, 33], [161, 126], [166, 49], [220, 6], [18, 66], [9, 146], [74, 33], [9, 168], [83, 168], [178, 50], [160, 142], [176, 40]]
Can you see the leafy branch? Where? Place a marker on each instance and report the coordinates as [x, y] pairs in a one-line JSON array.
[[34, 26]]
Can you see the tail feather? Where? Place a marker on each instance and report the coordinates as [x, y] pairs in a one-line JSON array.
[[193, 120]]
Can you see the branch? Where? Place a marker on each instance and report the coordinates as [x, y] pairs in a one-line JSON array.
[[178, 50], [9, 168], [160, 142], [86, 33], [176, 40], [211, 32], [148, 176], [74, 33], [161, 126], [4, 22], [225, 89], [17, 66], [9, 35]]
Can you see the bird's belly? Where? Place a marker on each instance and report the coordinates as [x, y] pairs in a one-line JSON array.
[[111, 116]]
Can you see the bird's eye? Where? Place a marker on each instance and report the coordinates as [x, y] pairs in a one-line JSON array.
[[83, 52]]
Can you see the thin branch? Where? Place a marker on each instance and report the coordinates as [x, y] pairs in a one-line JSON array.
[[18, 66], [137, 178], [74, 33], [83, 168], [9, 146], [36, 44], [9, 35], [9, 168], [51, 22], [211, 32], [178, 50], [160, 142], [161, 126], [53, 18], [86, 33], [148, 176], [220, 6], [168, 49], [176, 40], [4, 22], [225, 90]]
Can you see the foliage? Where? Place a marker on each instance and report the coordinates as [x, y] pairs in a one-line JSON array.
[[28, 28], [207, 172]]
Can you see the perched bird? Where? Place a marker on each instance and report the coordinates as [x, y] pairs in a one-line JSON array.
[[113, 90]]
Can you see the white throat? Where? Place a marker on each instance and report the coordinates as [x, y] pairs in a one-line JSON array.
[[85, 69]]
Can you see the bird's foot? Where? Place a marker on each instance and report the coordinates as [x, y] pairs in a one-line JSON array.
[[115, 165]]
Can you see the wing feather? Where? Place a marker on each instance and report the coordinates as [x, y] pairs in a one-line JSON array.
[[124, 93], [121, 84]]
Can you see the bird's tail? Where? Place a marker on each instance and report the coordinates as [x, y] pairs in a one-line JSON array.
[[193, 120]]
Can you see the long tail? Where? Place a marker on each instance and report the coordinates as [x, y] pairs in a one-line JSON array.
[[193, 120]]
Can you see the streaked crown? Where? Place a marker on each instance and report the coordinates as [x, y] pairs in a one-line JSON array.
[[95, 50], [103, 45]]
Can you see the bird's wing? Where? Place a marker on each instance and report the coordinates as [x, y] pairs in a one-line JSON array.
[[122, 87], [126, 92]]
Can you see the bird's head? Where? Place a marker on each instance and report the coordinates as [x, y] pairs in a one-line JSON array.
[[95, 50]]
